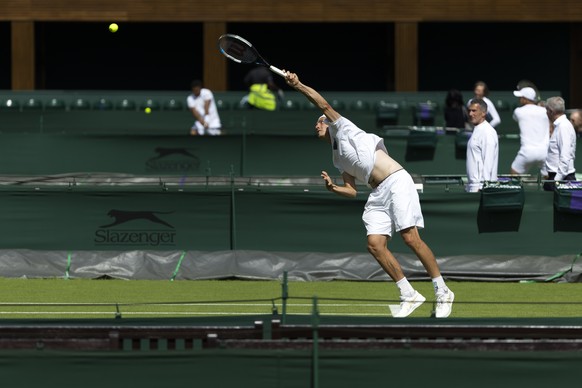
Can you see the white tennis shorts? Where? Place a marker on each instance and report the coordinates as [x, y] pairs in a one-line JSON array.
[[528, 158], [393, 206]]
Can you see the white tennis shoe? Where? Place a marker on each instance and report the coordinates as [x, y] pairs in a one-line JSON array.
[[444, 304], [409, 304]]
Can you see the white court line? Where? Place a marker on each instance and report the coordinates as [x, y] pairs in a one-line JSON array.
[[160, 313], [196, 304]]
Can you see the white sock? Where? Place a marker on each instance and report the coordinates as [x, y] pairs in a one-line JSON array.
[[439, 285], [405, 288]]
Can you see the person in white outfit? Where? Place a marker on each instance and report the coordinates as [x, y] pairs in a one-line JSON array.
[[203, 107], [393, 204], [559, 164], [534, 132], [481, 91], [482, 148]]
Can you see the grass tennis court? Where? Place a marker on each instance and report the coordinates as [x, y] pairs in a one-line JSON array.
[[84, 298]]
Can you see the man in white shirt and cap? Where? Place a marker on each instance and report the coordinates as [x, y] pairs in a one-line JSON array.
[[534, 132]]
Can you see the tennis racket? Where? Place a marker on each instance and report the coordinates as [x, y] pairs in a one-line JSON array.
[[242, 51]]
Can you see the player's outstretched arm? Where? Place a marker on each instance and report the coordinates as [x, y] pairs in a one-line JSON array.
[[312, 95]]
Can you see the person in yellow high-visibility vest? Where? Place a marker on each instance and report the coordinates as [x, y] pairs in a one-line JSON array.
[[263, 92], [261, 97]]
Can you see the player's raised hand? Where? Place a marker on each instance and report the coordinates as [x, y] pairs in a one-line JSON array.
[[291, 78]]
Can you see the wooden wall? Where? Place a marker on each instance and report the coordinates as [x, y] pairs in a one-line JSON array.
[[296, 10], [214, 14]]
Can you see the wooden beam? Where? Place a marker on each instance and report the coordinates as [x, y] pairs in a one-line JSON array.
[[293, 11], [406, 56], [575, 98], [23, 55], [215, 71]]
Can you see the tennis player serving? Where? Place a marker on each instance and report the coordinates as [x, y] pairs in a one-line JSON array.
[[393, 204]]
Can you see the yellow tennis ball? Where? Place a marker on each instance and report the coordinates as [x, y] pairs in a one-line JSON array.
[[148, 110], [113, 27]]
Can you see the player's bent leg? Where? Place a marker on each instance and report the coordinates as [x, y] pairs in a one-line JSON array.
[[377, 246], [421, 250], [444, 296]]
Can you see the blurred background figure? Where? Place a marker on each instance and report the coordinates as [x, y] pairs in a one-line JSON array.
[[203, 107], [456, 115], [576, 120], [263, 91], [481, 91], [534, 132]]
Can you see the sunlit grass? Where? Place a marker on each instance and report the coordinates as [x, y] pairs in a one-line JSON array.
[[84, 298]]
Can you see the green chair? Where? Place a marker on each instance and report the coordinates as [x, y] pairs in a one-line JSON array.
[[337, 104], [360, 105], [103, 104], [222, 104], [424, 113], [242, 104], [150, 103], [55, 104], [9, 104], [290, 105], [80, 104], [307, 105], [173, 104], [387, 114], [125, 104], [502, 105], [32, 104], [461, 139], [420, 145]]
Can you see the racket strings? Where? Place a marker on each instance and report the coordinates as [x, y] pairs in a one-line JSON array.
[[238, 50]]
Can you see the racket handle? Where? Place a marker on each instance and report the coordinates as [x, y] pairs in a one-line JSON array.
[[277, 71]]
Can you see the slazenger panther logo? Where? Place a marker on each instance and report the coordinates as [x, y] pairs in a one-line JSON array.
[[123, 216], [119, 231], [173, 159]]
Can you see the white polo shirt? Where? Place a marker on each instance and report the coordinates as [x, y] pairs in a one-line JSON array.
[[562, 149], [534, 126], [354, 151], [482, 156]]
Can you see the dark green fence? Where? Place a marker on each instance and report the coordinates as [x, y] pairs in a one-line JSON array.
[[295, 219], [239, 155]]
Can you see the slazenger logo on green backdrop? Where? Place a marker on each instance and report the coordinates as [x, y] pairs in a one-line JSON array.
[[127, 229], [173, 159]]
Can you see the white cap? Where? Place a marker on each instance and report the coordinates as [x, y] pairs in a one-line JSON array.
[[527, 92]]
